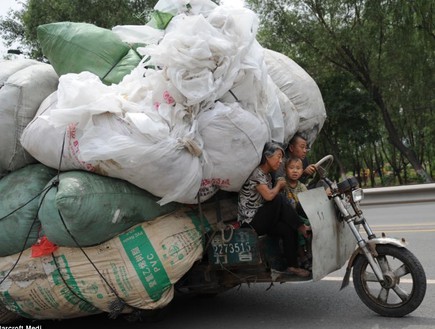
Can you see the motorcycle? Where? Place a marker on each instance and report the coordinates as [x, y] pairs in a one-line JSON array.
[[387, 277]]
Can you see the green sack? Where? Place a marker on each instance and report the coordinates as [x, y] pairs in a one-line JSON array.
[[77, 47], [160, 20], [95, 208], [19, 192]]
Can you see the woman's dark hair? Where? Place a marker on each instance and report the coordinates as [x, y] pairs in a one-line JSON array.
[[269, 149]]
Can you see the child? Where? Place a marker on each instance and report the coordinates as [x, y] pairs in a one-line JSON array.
[[298, 147], [293, 171]]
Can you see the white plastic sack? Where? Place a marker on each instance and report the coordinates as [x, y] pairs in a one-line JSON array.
[[20, 98], [233, 143], [255, 92], [201, 56], [110, 145], [146, 129], [138, 34], [169, 168], [289, 113], [149, 34], [142, 151], [176, 7], [301, 90], [39, 130], [9, 67]]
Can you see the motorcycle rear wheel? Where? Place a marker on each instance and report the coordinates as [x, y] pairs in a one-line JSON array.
[[404, 287]]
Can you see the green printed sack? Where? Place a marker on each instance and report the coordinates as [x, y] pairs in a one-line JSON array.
[[141, 265]]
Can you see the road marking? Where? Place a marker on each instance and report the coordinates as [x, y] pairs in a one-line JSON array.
[[402, 231], [336, 278], [404, 228], [413, 224]]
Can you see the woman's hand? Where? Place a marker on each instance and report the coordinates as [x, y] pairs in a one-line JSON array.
[[280, 183], [269, 194]]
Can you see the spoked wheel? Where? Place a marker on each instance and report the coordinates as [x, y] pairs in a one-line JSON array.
[[405, 282]]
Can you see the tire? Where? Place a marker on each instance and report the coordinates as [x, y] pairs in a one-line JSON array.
[[404, 287]]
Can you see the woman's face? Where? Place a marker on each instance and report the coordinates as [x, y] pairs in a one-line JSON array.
[[275, 160]]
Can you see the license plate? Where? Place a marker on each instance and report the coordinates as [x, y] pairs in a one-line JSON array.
[[242, 248]]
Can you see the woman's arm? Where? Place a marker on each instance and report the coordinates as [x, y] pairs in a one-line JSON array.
[[269, 194]]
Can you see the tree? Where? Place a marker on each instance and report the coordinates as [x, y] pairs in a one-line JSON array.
[[351, 126], [386, 46], [11, 29], [21, 25]]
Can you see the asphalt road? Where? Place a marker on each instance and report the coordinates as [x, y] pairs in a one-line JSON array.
[[300, 305]]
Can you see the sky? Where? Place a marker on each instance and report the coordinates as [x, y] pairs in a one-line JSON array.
[[5, 5]]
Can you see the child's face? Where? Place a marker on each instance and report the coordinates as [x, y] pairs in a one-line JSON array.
[[294, 170]]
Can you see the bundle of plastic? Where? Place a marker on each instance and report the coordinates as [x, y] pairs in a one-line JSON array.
[[26, 84], [191, 119], [9, 67], [300, 89]]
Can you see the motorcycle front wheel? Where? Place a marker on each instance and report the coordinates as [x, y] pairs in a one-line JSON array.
[[405, 281]]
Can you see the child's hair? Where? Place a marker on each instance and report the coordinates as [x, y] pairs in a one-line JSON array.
[[291, 159]]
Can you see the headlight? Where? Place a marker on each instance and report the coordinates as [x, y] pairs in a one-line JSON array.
[[357, 195]]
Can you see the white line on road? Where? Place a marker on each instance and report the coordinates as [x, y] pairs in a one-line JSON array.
[[336, 278]]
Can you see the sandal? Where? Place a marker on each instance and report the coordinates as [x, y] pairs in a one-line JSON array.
[[300, 272]]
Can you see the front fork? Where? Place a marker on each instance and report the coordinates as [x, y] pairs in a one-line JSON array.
[[366, 249], [362, 243]]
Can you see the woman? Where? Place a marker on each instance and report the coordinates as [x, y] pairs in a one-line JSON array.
[[266, 210]]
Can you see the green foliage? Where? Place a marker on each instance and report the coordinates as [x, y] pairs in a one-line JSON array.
[[102, 13], [384, 52], [11, 28]]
